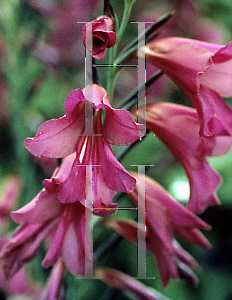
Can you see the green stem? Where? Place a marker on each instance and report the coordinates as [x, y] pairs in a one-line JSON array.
[[113, 51]]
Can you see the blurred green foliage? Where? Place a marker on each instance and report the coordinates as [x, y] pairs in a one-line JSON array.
[[37, 93]]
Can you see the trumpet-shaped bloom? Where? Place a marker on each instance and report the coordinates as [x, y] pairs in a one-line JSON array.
[[178, 127], [90, 139], [64, 224], [164, 218], [99, 35], [203, 72]]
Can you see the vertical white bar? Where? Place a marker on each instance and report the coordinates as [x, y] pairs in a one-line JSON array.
[[141, 220], [88, 85], [89, 215], [88, 132], [141, 73]]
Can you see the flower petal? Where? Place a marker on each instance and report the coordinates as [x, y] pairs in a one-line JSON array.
[[218, 77], [43, 207], [56, 138], [120, 129]]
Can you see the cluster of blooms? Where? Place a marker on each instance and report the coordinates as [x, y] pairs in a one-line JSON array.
[[89, 175]]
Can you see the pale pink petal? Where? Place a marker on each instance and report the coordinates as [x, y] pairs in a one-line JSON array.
[[73, 107], [216, 114], [77, 251], [218, 77], [43, 207], [120, 129], [53, 289], [97, 96], [60, 174], [56, 138], [114, 174], [58, 238], [73, 188], [202, 192]]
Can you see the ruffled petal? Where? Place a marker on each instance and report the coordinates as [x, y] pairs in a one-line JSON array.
[[218, 77], [73, 107], [120, 129]]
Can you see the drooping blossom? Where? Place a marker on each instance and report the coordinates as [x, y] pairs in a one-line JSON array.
[[20, 285], [164, 218], [90, 139], [99, 35], [178, 127], [203, 72], [65, 226], [131, 287]]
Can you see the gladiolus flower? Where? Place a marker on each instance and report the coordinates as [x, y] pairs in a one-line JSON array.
[[164, 218], [99, 35], [178, 127], [203, 72], [90, 139], [64, 224]]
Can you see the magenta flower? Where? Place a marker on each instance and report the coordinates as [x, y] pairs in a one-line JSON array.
[[99, 35], [90, 139], [203, 71], [164, 218], [178, 128], [64, 224]]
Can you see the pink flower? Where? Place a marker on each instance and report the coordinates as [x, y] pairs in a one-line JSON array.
[[20, 284], [164, 218], [203, 72], [99, 35], [128, 285], [64, 224], [178, 128], [54, 289], [90, 139]]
